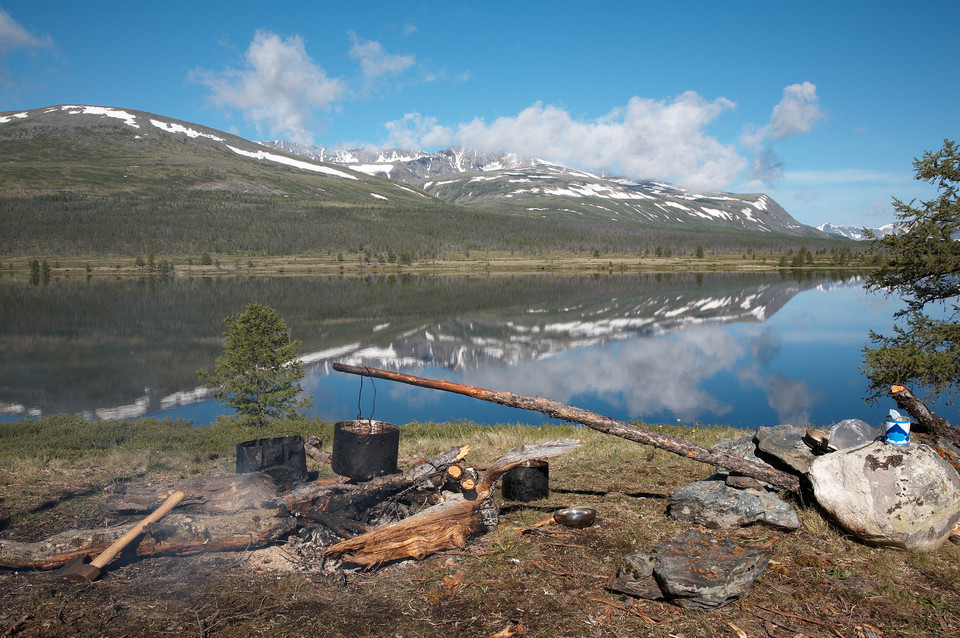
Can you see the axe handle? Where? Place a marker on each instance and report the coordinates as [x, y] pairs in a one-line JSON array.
[[109, 553]]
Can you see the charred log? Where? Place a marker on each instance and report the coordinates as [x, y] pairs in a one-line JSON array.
[[446, 525]]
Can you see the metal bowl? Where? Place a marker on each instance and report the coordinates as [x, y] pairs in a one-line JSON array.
[[576, 517]]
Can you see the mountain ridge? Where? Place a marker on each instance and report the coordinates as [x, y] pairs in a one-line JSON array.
[[856, 232], [530, 185], [84, 179]]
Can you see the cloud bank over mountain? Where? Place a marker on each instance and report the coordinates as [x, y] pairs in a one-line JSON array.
[[280, 89]]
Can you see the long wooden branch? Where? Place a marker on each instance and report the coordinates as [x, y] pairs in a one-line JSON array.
[[594, 421]]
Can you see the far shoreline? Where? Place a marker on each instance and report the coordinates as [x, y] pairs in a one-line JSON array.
[[19, 267]]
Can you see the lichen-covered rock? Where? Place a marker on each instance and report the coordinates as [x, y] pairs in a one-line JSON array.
[[694, 570], [714, 504], [898, 496]]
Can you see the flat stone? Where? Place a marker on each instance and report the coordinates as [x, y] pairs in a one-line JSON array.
[[746, 448], [714, 504], [785, 444], [742, 482], [694, 570], [889, 495]]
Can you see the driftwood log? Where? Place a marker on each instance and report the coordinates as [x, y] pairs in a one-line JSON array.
[[445, 525], [594, 421]]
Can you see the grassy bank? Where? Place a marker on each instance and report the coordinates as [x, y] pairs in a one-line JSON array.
[[22, 268], [529, 581]]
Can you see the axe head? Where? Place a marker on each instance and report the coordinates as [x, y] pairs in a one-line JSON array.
[[79, 570]]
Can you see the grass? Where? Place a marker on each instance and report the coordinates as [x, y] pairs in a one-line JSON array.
[[533, 581]]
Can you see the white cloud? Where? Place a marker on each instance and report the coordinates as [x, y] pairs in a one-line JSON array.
[[415, 131], [279, 87], [847, 176], [14, 37], [878, 209], [645, 139], [797, 112], [374, 61]]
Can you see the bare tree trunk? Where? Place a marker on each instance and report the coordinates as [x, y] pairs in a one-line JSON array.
[[594, 421]]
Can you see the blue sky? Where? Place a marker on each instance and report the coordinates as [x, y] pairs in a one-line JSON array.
[[821, 105]]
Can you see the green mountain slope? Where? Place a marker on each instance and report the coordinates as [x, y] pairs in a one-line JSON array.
[[100, 180]]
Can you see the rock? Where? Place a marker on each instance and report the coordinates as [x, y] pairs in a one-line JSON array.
[[785, 444], [693, 570], [714, 504], [746, 448], [898, 496], [635, 576]]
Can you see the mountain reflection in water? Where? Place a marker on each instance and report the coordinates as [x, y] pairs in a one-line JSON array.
[[742, 349]]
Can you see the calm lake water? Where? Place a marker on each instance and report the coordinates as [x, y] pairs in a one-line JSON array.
[[738, 349]]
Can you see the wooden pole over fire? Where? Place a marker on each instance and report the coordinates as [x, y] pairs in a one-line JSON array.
[[594, 421]]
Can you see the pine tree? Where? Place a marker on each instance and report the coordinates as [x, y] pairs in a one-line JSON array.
[[922, 267], [259, 373]]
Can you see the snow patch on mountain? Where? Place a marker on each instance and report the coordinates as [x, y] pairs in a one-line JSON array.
[[129, 118], [170, 127], [289, 161]]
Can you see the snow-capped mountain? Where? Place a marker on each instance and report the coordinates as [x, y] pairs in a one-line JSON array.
[[535, 187], [856, 232]]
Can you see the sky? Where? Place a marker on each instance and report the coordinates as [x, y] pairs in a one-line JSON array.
[[821, 105]]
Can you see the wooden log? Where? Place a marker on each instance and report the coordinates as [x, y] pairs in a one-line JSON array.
[[311, 447], [211, 495], [442, 526], [594, 421], [177, 534]]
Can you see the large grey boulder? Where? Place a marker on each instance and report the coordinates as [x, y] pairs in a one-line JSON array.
[[714, 504], [693, 570], [899, 496]]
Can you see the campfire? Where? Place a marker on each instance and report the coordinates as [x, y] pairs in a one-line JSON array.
[[374, 515]]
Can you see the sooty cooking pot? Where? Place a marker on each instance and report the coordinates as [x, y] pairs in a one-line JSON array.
[[363, 449], [282, 458]]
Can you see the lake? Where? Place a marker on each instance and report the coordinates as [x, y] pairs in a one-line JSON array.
[[713, 348]]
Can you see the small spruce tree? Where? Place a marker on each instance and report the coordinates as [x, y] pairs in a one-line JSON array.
[[259, 373]]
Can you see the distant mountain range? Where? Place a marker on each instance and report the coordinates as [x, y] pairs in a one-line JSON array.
[[856, 232], [530, 186], [102, 180]]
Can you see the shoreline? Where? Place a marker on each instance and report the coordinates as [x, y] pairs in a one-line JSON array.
[[120, 266]]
